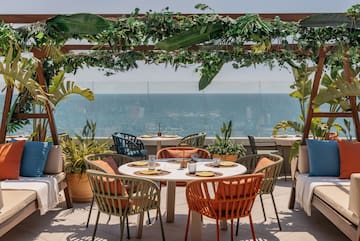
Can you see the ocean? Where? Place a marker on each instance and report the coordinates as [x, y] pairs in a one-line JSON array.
[[181, 114]]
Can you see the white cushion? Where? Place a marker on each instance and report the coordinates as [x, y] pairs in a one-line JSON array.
[[55, 161], [303, 162]]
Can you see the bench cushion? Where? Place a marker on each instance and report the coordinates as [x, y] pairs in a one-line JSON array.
[[337, 196], [15, 201]]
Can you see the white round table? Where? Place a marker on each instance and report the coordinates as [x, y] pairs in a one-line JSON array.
[[180, 175]]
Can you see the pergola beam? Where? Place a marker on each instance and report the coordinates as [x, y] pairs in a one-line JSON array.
[[32, 18]]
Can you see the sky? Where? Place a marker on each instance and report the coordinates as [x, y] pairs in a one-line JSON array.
[[161, 79]]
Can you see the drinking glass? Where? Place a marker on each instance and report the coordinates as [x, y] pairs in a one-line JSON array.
[[216, 162], [152, 163], [192, 168]]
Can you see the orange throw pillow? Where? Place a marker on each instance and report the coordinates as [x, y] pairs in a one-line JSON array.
[[263, 162], [108, 164], [349, 158], [10, 159]]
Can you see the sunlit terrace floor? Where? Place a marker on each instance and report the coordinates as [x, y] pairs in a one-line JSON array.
[[62, 224]]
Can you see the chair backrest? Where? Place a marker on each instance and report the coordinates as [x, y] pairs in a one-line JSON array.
[[268, 164], [91, 160], [193, 140], [182, 152], [224, 198], [118, 194], [127, 144], [252, 144]]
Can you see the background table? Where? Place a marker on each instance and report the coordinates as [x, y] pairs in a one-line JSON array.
[[149, 140]]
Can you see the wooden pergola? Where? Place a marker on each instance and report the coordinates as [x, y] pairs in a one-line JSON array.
[[290, 17]]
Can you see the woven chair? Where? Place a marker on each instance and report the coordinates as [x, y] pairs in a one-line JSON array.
[[182, 152], [129, 145], [252, 144], [92, 162], [122, 196], [270, 165], [193, 140], [223, 199]]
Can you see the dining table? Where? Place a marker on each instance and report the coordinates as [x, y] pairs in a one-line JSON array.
[[159, 140], [170, 171]]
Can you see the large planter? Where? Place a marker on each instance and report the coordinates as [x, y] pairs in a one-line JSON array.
[[79, 187], [226, 157]]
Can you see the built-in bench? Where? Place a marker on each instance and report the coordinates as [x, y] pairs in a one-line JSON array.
[[337, 199], [20, 198]]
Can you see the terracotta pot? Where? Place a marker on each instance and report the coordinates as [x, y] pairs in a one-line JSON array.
[[79, 187], [231, 158]]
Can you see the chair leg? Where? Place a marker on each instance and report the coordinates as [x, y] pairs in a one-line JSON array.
[[237, 227], [252, 228], [148, 214], [262, 206], [107, 222], [161, 226], [232, 229], [96, 224], [217, 230], [187, 225], [91, 206], [276, 212], [127, 227], [122, 224]]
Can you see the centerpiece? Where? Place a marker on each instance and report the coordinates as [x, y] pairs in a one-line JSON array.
[[224, 148]]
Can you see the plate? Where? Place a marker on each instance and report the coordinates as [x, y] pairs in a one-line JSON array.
[[205, 174], [147, 136], [140, 163], [150, 172], [227, 164]]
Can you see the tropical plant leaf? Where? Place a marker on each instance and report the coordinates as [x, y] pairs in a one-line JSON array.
[[60, 88], [330, 20], [188, 38], [341, 89], [206, 79], [82, 23]]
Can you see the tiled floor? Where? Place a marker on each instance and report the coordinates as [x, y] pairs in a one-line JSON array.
[[69, 225]]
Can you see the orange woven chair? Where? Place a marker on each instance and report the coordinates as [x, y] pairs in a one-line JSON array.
[[182, 152], [223, 199]]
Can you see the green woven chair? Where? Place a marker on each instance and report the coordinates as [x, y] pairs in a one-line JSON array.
[[270, 165], [193, 140], [91, 163], [122, 196]]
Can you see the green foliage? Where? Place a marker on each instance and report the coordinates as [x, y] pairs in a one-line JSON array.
[[75, 149], [223, 145]]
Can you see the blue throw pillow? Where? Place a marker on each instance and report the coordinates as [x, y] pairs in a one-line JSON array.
[[324, 158], [34, 158]]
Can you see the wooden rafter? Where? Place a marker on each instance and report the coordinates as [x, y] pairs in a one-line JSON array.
[[32, 18]]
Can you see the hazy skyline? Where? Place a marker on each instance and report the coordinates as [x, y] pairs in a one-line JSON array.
[[158, 79]]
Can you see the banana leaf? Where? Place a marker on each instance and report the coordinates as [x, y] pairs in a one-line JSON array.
[[206, 79], [342, 89], [188, 38], [81, 23], [330, 20]]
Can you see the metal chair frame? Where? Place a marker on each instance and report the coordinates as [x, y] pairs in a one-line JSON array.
[[129, 145], [271, 172]]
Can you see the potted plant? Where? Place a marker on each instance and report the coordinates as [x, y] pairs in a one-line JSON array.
[[75, 149], [224, 148]]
